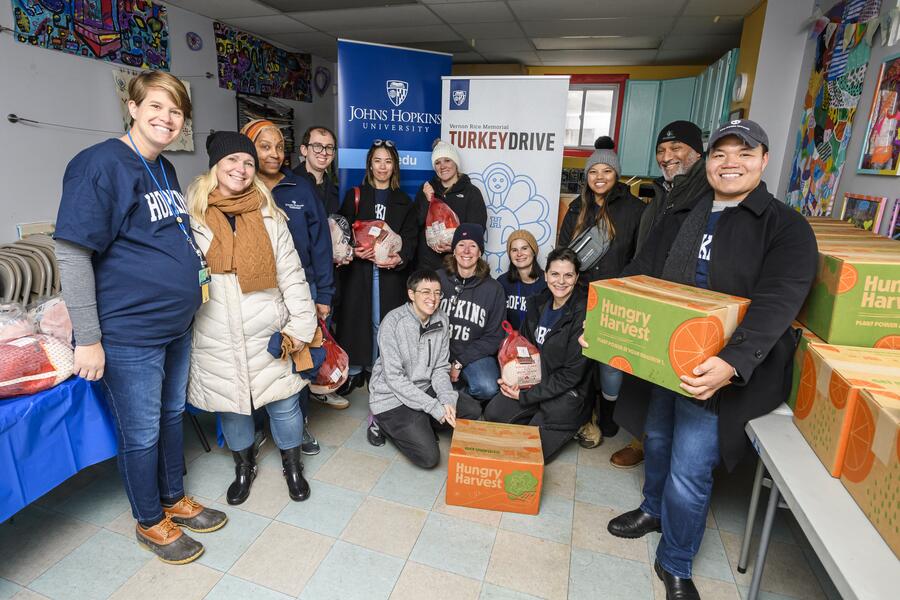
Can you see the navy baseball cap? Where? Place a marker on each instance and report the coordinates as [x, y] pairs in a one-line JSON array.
[[749, 131]]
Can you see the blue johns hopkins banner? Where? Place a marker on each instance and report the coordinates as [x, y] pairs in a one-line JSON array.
[[388, 93]]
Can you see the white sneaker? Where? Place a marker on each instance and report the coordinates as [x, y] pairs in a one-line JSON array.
[[331, 400]]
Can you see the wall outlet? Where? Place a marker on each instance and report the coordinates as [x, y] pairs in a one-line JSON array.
[[26, 229]]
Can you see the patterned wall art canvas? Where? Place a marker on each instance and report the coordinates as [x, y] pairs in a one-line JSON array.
[[250, 65], [881, 147], [835, 86], [863, 211], [121, 79], [129, 32]]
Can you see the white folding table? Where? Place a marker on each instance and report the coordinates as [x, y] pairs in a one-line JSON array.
[[859, 562]]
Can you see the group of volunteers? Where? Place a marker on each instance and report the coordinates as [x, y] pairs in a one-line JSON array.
[[208, 297]]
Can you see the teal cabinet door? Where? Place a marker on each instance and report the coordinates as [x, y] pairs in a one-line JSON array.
[[638, 119], [676, 101]]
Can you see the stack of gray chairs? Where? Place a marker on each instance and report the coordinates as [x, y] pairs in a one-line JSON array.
[[28, 270]]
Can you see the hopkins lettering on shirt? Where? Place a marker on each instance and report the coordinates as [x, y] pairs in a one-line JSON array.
[[517, 303], [540, 333], [294, 205], [464, 310], [705, 247], [380, 211], [159, 207]]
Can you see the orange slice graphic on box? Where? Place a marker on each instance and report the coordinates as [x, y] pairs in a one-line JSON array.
[[847, 280], [806, 391], [889, 342], [694, 341], [838, 391], [621, 363], [592, 298], [858, 456]]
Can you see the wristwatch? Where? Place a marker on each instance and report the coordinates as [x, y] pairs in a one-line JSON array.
[[456, 365]]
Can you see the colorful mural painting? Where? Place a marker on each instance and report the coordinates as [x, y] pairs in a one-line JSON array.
[[835, 85], [250, 65], [129, 32]]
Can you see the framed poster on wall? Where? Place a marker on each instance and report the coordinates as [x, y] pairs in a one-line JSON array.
[[863, 211], [881, 147]]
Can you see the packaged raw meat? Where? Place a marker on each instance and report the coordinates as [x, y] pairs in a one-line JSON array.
[[14, 322], [52, 317], [379, 235], [334, 371], [32, 364], [341, 238], [440, 224], [520, 360]]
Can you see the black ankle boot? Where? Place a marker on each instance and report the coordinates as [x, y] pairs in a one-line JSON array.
[[298, 487], [244, 474], [605, 418]]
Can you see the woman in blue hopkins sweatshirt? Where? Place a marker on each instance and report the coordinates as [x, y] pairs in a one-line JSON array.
[[524, 278]]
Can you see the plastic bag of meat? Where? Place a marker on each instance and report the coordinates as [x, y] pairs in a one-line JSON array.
[[379, 235], [52, 317], [440, 224], [334, 371], [520, 360], [14, 322], [341, 238], [33, 364]]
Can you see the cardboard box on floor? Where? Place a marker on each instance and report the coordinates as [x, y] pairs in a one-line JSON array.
[[807, 337], [855, 298], [658, 330], [495, 466], [871, 469], [828, 393]]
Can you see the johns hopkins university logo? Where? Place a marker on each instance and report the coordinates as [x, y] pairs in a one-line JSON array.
[[397, 91], [459, 97], [459, 94]]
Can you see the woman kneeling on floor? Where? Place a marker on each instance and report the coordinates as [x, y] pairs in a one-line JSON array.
[[561, 402], [258, 290]]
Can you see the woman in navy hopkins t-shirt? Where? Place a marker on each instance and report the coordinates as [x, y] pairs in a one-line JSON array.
[[133, 278]]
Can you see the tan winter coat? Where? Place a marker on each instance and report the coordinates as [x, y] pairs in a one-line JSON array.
[[230, 363]]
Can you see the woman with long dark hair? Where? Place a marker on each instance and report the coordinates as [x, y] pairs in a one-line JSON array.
[[524, 278]]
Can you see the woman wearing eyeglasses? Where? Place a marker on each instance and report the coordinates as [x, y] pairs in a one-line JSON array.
[[455, 189], [369, 289], [562, 401], [607, 203]]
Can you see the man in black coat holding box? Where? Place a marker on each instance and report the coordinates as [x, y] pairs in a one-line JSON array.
[[739, 240]]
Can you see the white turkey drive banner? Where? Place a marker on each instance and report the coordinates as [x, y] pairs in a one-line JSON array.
[[510, 133]]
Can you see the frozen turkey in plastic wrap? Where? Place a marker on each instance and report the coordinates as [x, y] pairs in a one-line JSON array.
[[378, 235], [440, 224], [32, 364], [52, 317], [334, 371], [520, 360], [15, 322], [341, 238]]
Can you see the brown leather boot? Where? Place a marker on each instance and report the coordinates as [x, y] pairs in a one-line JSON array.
[[168, 542], [628, 457], [196, 517]]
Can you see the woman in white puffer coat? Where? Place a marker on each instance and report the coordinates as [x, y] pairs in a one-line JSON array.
[[257, 289]]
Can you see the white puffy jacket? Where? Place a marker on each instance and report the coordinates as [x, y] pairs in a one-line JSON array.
[[230, 363]]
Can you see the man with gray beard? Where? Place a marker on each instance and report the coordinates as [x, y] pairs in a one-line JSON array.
[[679, 153]]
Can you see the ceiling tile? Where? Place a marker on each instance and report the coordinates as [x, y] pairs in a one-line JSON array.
[[492, 45], [580, 9], [706, 26], [304, 40], [597, 43], [468, 58], [304, 5], [224, 9], [400, 35], [473, 12], [369, 18], [597, 57], [737, 8], [268, 25], [524, 58], [451, 47], [698, 42], [488, 30], [601, 26]]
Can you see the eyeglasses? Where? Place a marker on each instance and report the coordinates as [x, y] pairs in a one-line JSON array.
[[436, 294], [380, 143], [320, 149]]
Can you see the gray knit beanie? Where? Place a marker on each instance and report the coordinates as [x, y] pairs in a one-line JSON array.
[[605, 153]]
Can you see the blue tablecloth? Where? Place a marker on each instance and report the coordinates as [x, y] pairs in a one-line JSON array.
[[48, 437]]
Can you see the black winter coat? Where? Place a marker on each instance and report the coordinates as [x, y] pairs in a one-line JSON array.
[[625, 213], [353, 314], [685, 191], [326, 191], [762, 250], [565, 391], [464, 199]]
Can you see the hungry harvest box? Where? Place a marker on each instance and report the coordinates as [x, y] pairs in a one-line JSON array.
[[495, 466], [807, 337], [658, 330], [830, 382], [855, 298], [871, 470]]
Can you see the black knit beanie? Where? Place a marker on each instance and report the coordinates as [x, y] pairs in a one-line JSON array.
[[684, 132], [220, 144]]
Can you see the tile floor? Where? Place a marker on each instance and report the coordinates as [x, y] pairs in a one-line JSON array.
[[377, 527]]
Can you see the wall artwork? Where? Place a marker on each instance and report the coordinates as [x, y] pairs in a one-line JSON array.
[[894, 230], [881, 148], [129, 32], [250, 65], [121, 79], [863, 211], [835, 85]]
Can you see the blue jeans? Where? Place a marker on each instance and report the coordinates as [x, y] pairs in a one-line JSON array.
[[610, 381], [285, 421], [681, 449], [146, 387], [481, 378]]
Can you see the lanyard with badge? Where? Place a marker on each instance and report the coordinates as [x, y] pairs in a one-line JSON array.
[[203, 275]]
